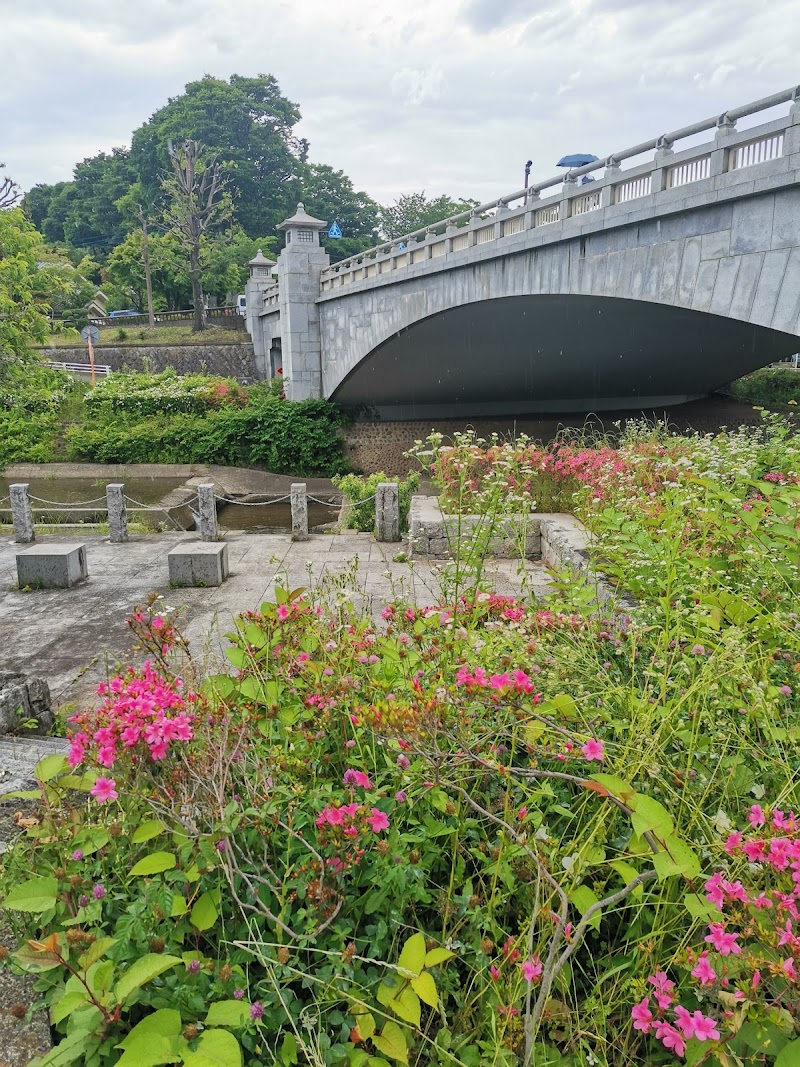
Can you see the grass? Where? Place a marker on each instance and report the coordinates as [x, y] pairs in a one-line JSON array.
[[158, 335]]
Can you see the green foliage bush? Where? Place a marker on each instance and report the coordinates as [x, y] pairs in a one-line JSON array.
[[360, 493], [770, 385], [31, 400], [195, 419]]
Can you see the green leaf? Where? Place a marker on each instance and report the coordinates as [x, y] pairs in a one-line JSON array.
[[204, 913], [288, 1052], [617, 787], [36, 895], [676, 858], [147, 829], [49, 767], [425, 988], [627, 873], [237, 657], [583, 898], [789, 1056], [701, 909], [392, 1042], [407, 1006], [179, 907], [216, 1048], [412, 958], [68, 1003], [166, 1022], [155, 863], [649, 815], [437, 955], [96, 951], [365, 1024], [228, 1013], [387, 992], [142, 971]]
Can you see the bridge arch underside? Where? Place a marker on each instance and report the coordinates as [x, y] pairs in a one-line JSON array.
[[556, 353]]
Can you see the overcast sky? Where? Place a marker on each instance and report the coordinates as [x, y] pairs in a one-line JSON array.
[[443, 95]]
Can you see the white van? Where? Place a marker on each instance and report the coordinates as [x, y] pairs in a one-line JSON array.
[[241, 305]]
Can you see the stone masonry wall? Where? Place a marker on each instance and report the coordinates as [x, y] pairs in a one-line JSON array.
[[230, 361]]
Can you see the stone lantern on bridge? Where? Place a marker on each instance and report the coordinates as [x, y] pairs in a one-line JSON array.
[[299, 267]]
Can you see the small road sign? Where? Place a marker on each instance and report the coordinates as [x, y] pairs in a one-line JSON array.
[[334, 231], [90, 333]]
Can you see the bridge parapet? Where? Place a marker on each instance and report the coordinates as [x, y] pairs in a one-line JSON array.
[[719, 169]]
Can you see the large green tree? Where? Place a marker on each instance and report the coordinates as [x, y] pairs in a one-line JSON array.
[[83, 213], [329, 194], [249, 125], [26, 284], [412, 211]]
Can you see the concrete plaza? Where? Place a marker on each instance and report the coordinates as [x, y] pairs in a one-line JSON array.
[[72, 637]]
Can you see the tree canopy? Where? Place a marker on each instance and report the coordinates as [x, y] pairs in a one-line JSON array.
[[250, 128], [414, 210]]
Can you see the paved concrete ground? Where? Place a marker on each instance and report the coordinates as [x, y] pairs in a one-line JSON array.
[[71, 637]]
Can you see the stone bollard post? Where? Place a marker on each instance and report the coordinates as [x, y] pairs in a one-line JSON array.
[[299, 512], [117, 512], [387, 512], [206, 512], [21, 513]]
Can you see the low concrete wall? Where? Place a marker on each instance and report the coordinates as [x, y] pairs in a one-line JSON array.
[[231, 361], [560, 541]]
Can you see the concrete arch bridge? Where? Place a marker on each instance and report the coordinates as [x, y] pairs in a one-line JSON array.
[[651, 285]]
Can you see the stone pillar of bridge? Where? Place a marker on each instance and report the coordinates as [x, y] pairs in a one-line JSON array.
[[260, 279], [299, 267]]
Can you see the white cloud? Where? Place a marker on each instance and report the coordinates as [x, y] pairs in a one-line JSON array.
[[451, 97]]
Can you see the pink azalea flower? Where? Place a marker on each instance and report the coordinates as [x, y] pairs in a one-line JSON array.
[[723, 942], [703, 971], [283, 612], [593, 750], [532, 969], [378, 820], [756, 816], [642, 1016], [157, 623], [670, 1038], [104, 789], [684, 1021], [493, 971], [705, 1029]]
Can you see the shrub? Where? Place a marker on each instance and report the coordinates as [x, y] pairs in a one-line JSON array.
[[769, 385], [360, 495]]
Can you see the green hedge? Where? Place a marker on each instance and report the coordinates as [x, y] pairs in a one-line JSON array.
[[770, 385], [284, 437]]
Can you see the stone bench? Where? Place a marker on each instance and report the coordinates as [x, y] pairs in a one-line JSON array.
[[51, 566], [198, 563]]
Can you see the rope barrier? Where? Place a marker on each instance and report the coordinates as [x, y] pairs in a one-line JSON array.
[[66, 503], [252, 503], [342, 503]]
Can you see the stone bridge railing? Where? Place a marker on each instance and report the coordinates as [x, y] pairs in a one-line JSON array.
[[731, 151]]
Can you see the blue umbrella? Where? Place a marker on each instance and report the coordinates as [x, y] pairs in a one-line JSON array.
[[580, 159]]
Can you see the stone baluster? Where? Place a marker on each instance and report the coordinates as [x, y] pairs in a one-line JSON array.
[[117, 513], [387, 512], [21, 513], [206, 512], [299, 501]]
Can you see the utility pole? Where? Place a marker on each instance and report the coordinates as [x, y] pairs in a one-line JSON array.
[[147, 275]]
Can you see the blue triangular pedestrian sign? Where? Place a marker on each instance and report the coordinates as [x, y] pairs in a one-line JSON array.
[[334, 231]]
